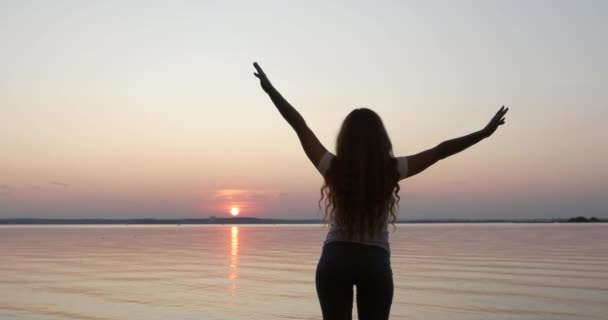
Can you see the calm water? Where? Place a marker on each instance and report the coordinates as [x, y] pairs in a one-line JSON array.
[[447, 271]]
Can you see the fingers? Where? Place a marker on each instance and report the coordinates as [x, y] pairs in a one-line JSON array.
[[258, 68], [503, 110], [502, 116], [500, 111], [499, 116]]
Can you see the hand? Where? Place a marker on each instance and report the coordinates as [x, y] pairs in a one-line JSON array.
[[264, 82], [497, 120]]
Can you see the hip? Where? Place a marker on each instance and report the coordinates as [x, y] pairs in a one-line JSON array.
[[354, 256]]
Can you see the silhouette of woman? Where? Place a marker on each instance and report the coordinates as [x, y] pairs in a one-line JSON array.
[[361, 196]]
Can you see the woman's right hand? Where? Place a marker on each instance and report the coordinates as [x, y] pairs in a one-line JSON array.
[[264, 82], [497, 120]]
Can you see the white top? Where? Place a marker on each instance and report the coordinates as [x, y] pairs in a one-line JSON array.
[[380, 240]]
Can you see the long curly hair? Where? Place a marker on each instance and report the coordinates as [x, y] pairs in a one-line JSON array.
[[362, 182]]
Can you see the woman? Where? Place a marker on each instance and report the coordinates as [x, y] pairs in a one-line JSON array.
[[361, 194]]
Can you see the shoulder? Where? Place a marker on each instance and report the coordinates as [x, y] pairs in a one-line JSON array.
[[402, 167], [325, 162]]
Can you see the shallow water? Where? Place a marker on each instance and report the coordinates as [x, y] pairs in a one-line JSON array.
[[441, 271]]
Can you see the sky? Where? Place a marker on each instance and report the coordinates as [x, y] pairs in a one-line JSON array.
[[127, 109]]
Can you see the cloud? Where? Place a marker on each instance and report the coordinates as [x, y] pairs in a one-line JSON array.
[[245, 195], [59, 184], [248, 200], [457, 182], [5, 190]]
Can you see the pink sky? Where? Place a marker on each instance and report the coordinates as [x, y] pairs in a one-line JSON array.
[[136, 110]]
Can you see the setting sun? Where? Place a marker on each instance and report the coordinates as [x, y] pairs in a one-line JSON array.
[[234, 211]]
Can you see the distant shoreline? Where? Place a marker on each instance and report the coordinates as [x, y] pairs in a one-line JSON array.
[[250, 220]]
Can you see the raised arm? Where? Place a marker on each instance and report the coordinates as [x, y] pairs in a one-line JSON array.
[[419, 162], [312, 146]]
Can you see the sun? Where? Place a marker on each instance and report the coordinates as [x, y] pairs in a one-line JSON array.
[[234, 211]]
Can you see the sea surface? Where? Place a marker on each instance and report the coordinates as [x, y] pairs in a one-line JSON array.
[[441, 271]]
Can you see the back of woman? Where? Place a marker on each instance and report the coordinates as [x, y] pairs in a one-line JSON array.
[[361, 196], [361, 183]]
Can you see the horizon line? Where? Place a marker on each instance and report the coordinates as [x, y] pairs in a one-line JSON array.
[[256, 220]]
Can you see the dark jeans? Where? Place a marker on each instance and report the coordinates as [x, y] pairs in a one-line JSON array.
[[344, 264]]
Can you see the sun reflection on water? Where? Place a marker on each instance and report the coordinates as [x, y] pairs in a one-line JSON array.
[[234, 259]]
